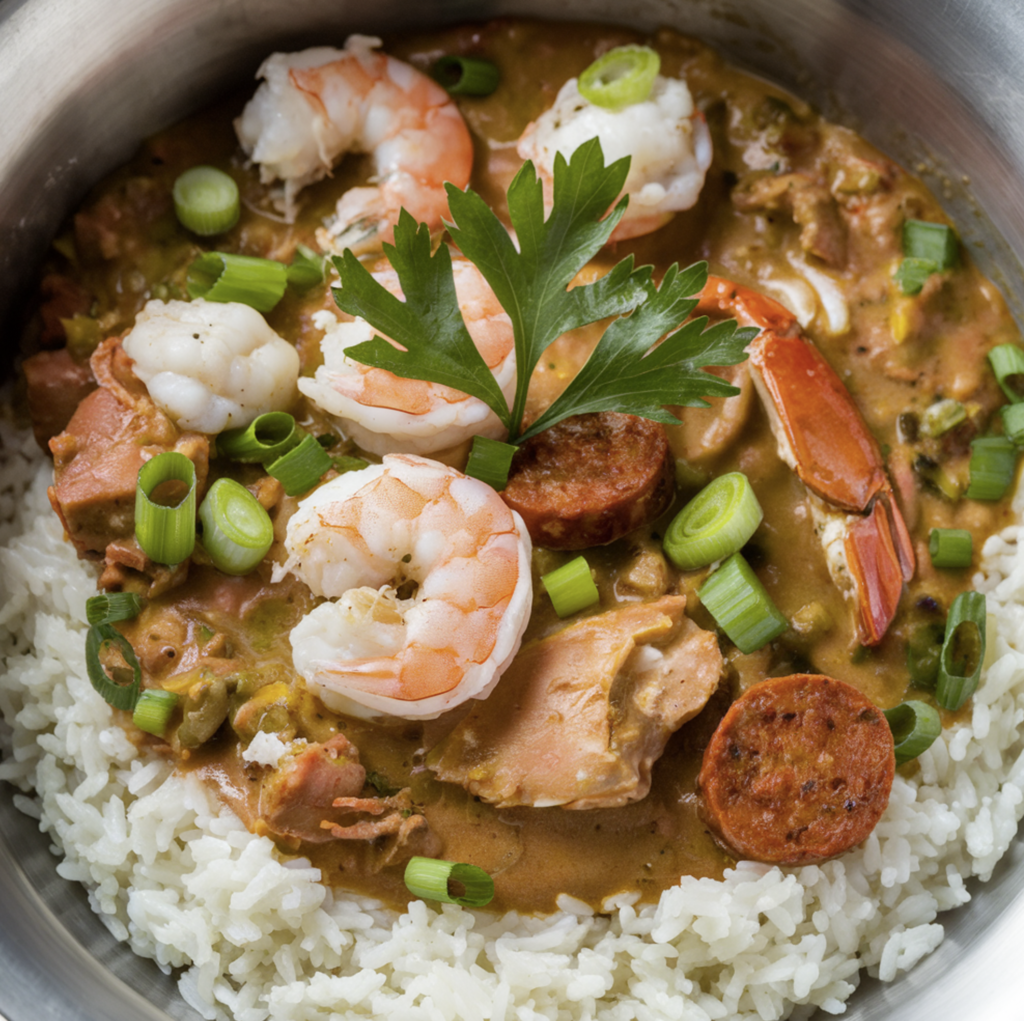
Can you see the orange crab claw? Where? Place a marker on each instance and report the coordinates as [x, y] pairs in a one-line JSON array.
[[825, 440]]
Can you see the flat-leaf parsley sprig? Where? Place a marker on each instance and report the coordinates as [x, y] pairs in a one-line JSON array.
[[629, 370]]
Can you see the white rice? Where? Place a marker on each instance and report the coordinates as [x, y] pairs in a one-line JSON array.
[[255, 936]]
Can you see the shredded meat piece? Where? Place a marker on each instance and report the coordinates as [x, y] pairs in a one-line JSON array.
[[810, 204], [114, 431], [401, 831], [581, 716]]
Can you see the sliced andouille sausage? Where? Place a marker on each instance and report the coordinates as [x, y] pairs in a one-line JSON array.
[[56, 385], [591, 479], [798, 771]]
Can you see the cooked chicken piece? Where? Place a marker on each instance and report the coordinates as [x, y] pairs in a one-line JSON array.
[[581, 716]]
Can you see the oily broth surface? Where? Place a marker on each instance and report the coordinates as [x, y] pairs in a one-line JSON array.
[[538, 854]]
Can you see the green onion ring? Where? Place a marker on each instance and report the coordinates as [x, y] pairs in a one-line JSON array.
[[716, 523], [167, 535], [120, 696], [963, 651], [306, 269], [431, 879], [621, 77], [950, 547], [237, 530], [153, 710], [911, 275], [737, 600], [264, 439], [111, 606], [1013, 423], [914, 725], [224, 276], [1007, 362], [571, 587], [466, 76], [490, 460], [302, 467], [933, 242], [992, 467], [206, 200]]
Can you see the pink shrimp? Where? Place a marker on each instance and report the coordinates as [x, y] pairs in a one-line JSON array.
[[385, 413], [316, 105], [428, 576]]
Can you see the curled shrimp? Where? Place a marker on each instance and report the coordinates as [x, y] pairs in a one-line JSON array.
[[665, 136], [211, 365], [385, 413], [316, 105], [428, 573]]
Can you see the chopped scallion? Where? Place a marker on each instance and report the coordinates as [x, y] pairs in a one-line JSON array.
[[940, 417], [717, 522], [1007, 361], [119, 695], [915, 726], [264, 439], [153, 710], [166, 532], [950, 547], [306, 269], [571, 587], [466, 76], [934, 242], [449, 882], [490, 460], [224, 276], [621, 77], [1013, 423], [105, 609], [206, 200], [349, 464], [924, 649], [963, 650], [737, 600], [301, 468], [911, 274], [992, 467], [237, 530]]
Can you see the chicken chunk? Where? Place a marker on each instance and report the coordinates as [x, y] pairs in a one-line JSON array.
[[581, 716]]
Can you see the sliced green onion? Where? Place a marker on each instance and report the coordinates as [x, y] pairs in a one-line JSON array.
[[1013, 423], [206, 200], [915, 726], [993, 463], [237, 530], [264, 439], [950, 547], [224, 276], [466, 76], [912, 274], [301, 468], [571, 587], [931, 241], [490, 460], [621, 77], [105, 609], [963, 650], [349, 464], [717, 522], [940, 417], [1007, 361], [167, 534], [449, 882], [741, 606], [306, 269], [924, 650], [153, 710], [120, 696]]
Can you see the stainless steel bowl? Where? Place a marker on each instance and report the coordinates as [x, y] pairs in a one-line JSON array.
[[80, 83]]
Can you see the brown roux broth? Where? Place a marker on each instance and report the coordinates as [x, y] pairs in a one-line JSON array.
[[536, 854]]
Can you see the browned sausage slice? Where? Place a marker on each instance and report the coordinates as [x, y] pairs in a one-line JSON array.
[[799, 770], [590, 479]]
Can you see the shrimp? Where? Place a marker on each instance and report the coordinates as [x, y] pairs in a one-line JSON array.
[[210, 365], [665, 136], [316, 105], [428, 576], [385, 413]]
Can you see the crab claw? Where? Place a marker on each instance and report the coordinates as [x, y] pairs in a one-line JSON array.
[[823, 437]]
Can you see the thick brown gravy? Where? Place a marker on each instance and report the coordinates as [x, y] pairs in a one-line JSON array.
[[896, 355]]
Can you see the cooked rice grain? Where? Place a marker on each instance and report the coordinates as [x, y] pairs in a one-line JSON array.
[[177, 876]]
